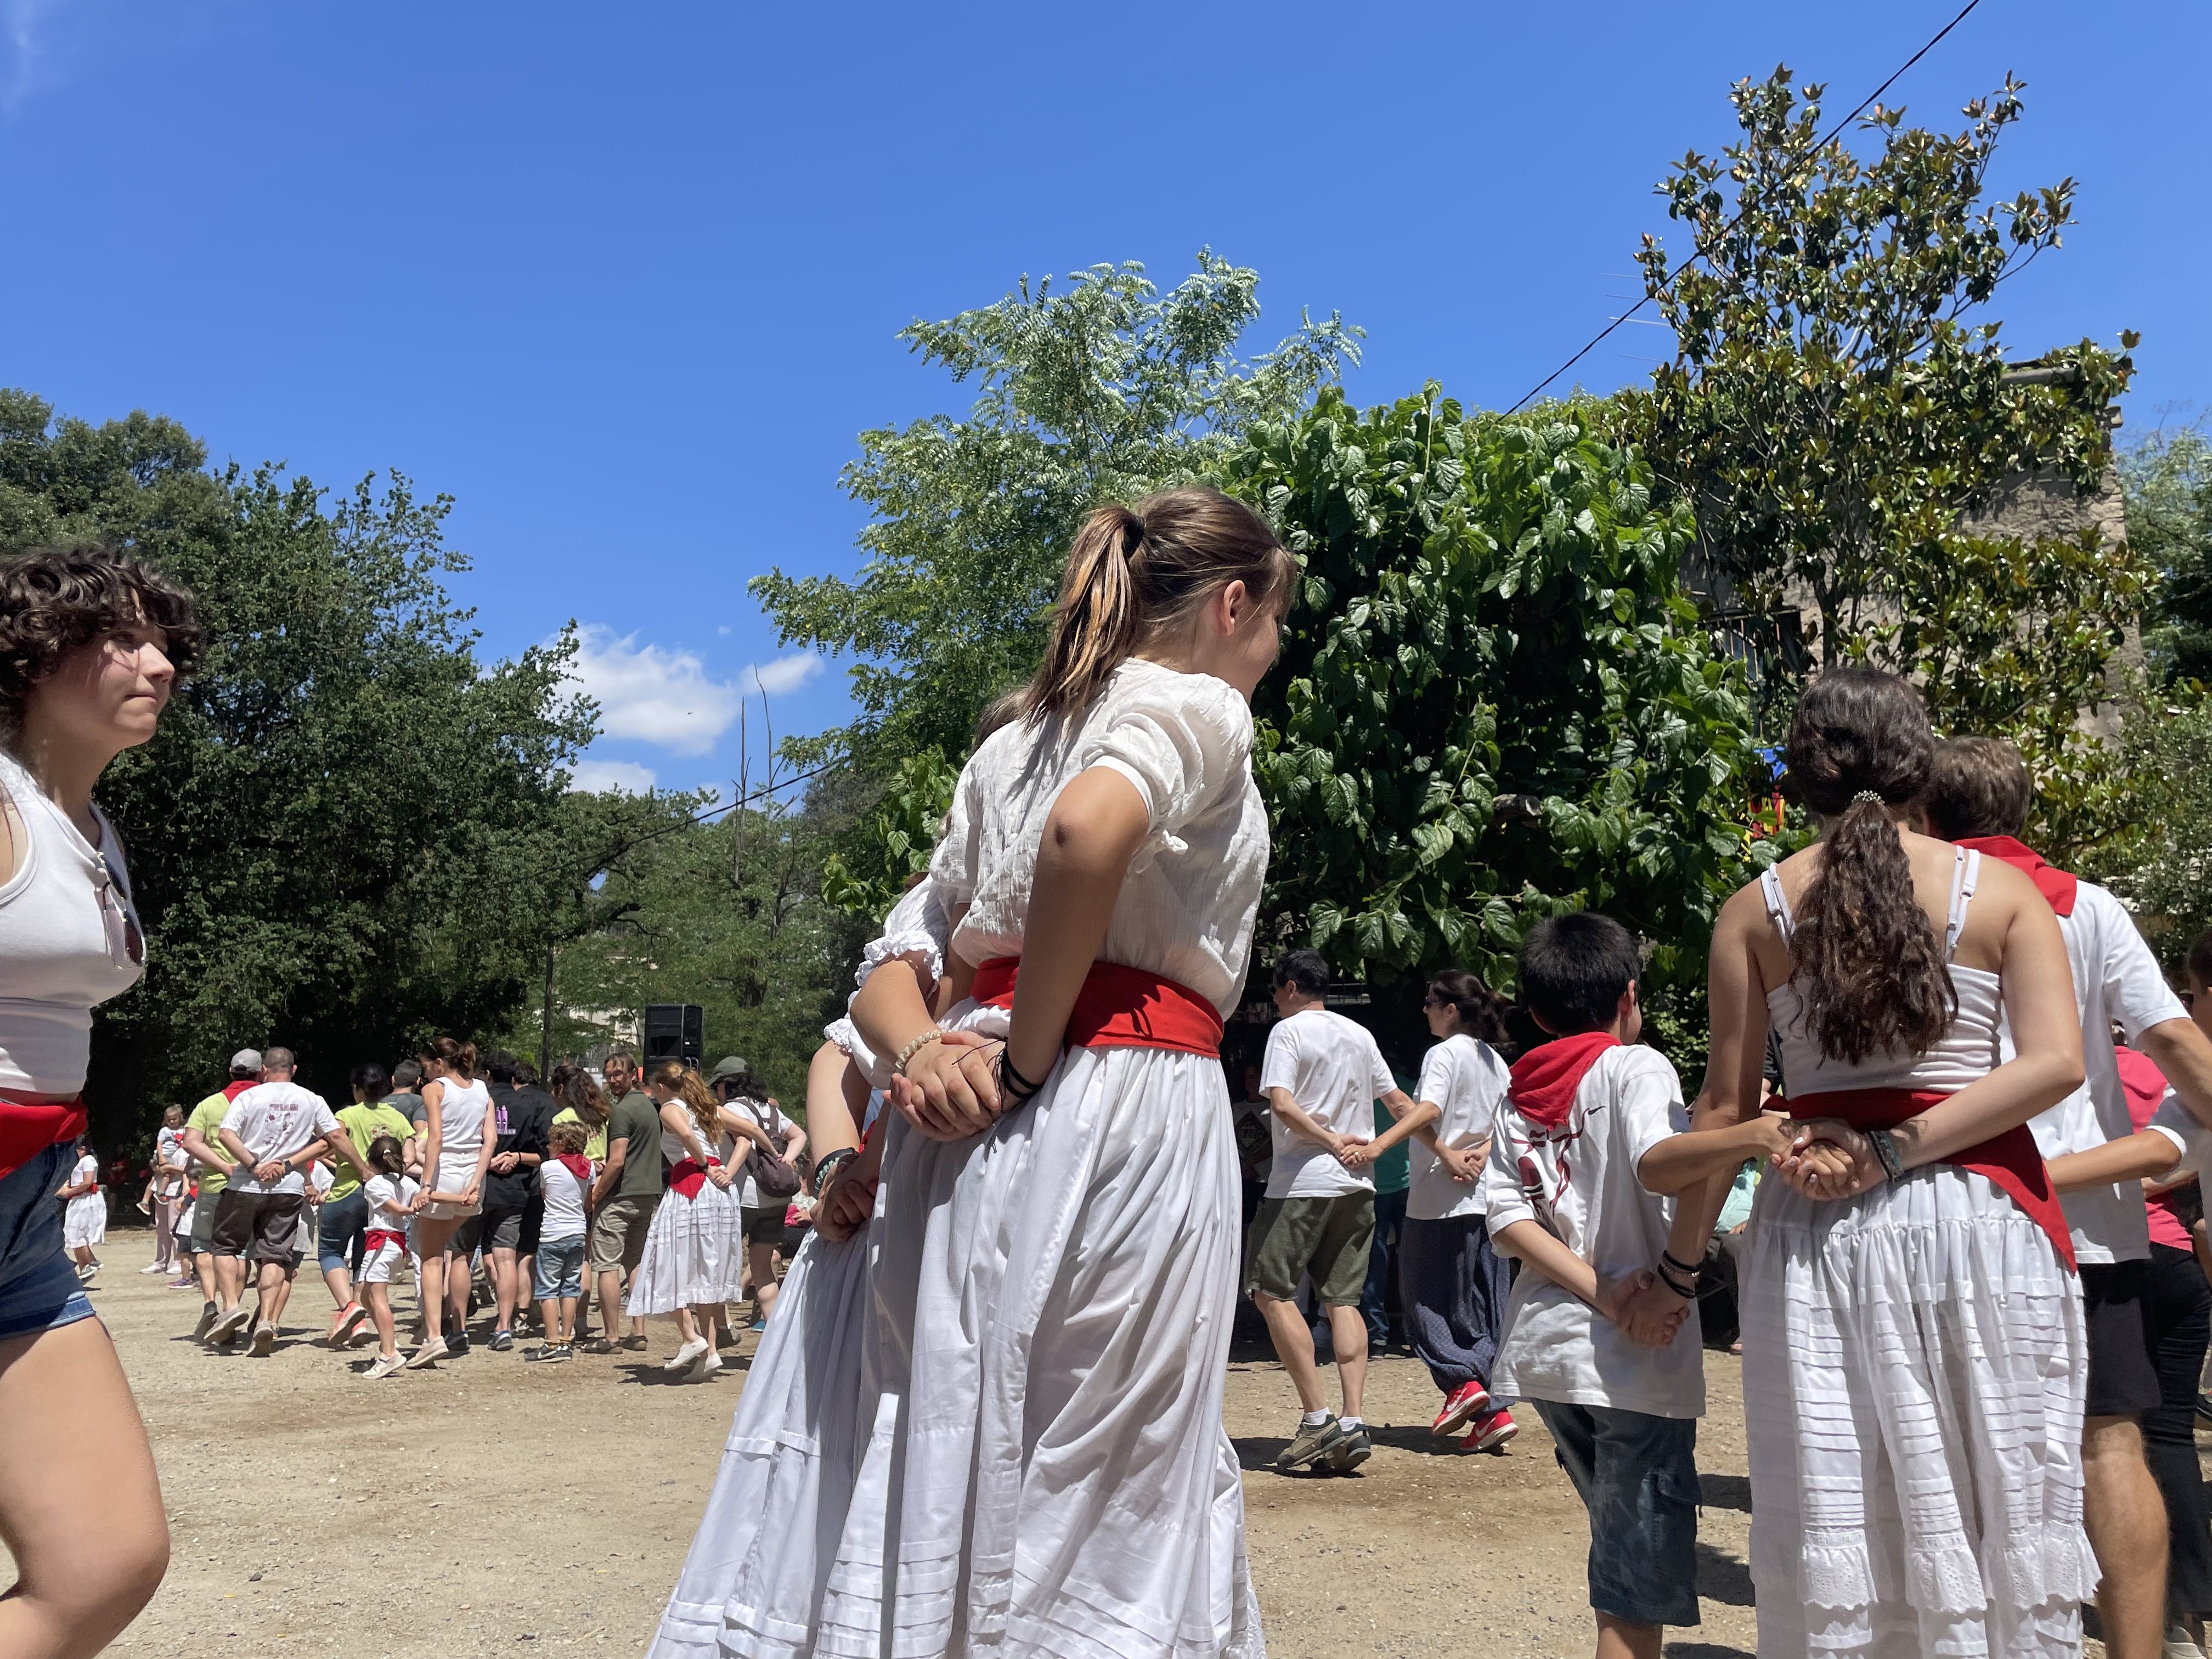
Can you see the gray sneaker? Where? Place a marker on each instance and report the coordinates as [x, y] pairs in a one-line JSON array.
[[1311, 1441], [1350, 1452]]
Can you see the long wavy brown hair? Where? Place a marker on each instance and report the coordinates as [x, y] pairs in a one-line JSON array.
[[691, 1089], [1867, 962]]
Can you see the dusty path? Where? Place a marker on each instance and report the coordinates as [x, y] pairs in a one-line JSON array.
[[480, 1509]]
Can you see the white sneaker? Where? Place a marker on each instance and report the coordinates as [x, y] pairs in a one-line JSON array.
[[687, 1356], [385, 1365], [2178, 1644], [154, 1268], [708, 1364], [229, 1325], [427, 1354], [263, 1340]]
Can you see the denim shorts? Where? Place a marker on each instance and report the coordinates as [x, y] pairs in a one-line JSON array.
[[560, 1267], [1637, 1474], [38, 1288], [342, 1230]]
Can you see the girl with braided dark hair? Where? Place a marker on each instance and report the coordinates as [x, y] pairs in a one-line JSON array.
[[1913, 1332]]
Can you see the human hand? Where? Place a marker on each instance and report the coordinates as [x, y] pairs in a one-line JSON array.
[[1829, 1159], [1652, 1313], [1774, 1133], [473, 1192], [1354, 1154], [1464, 1163], [270, 1169], [846, 1202], [504, 1163], [721, 1175], [950, 1090]]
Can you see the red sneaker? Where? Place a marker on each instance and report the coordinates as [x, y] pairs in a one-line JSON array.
[[1465, 1403], [1490, 1432]]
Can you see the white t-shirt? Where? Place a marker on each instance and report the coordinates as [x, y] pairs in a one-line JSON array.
[[564, 1201], [1465, 1079], [2115, 978], [169, 1149], [87, 1169], [275, 1121], [303, 1235], [386, 1193], [1334, 1074], [1579, 1182], [778, 1126]]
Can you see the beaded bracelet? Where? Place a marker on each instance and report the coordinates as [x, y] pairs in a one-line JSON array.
[[934, 1034]]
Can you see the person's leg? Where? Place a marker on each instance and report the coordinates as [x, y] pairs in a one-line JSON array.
[[1293, 1346], [2180, 1314], [80, 1504], [431, 1237], [2124, 1515], [1642, 1495], [1381, 1259], [505, 1291], [338, 1230], [233, 1241], [565, 1319], [379, 1298], [765, 1288], [203, 1260], [1617, 1639], [1339, 1264], [1347, 1330], [270, 1289]]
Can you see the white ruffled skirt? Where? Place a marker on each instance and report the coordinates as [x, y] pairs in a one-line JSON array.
[[691, 1259], [84, 1222], [1031, 1459], [1912, 1380]]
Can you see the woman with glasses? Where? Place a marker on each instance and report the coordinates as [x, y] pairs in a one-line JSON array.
[[91, 646]]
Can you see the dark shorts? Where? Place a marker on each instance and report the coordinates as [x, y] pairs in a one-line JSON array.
[[1328, 1237], [2123, 1379], [533, 1221], [38, 1288], [467, 1237], [1637, 1474], [501, 1228], [258, 1225], [204, 1221], [764, 1224]]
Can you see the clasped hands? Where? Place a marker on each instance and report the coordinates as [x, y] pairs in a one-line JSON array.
[[950, 1089]]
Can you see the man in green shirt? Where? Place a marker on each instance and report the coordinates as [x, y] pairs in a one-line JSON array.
[[345, 1224], [625, 1196], [214, 1168]]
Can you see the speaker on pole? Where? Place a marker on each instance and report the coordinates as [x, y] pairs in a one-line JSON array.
[[674, 1030]]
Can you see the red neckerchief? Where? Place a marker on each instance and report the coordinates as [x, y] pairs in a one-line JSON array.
[[577, 1165], [1545, 1080], [2059, 888], [231, 1090]]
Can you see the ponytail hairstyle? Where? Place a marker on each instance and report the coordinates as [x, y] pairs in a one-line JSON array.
[[1136, 571], [691, 1089], [459, 1057], [1867, 962], [386, 1153], [1481, 1010]]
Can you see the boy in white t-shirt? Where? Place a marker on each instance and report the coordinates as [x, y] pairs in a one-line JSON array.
[[1321, 1075], [565, 1179], [1562, 1192]]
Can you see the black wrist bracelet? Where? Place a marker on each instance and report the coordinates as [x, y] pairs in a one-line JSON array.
[[1688, 1293], [1011, 1083], [1668, 1257]]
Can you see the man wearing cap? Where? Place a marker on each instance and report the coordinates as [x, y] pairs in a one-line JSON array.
[[734, 1081], [215, 1167]]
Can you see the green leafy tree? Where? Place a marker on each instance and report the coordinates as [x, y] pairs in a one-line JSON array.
[[1101, 388], [875, 865], [1843, 419], [2168, 480], [1495, 703], [340, 836]]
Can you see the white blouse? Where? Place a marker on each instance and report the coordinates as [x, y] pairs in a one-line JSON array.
[[1187, 907]]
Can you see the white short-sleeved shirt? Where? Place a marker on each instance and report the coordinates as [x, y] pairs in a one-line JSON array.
[[87, 1169], [2115, 978], [564, 1201], [1464, 1079], [275, 1121], [303, 1235], [1187, 906], [387, 1193], [1334, 1073], [1578, 1182], [169, 1149]]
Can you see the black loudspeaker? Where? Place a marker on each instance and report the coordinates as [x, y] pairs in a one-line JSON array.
[[674, 1030]]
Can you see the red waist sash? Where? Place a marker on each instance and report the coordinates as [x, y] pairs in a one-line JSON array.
[[377, 1237], [28, 1128], [1120, 1007], [687, 1176], [2010, 1161]]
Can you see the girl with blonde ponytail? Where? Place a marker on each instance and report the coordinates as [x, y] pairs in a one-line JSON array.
[[1913, 1335], [689, 1271], [1054, 1248]]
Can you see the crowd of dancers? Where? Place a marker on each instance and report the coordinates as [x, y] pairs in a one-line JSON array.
[[986, 1409]]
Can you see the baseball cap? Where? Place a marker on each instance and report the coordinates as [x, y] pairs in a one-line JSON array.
[[728, 1065], [246, 1059]]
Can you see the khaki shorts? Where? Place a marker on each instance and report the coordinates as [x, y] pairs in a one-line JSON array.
[[261, 1226], [1328, 1237], [204, 1221], [618, 1232]]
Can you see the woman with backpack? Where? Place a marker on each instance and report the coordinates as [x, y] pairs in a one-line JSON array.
[[747, 1111]]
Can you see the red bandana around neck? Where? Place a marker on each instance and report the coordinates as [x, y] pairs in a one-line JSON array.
[[577, 1165], [2059, 888], [1545, 1080]]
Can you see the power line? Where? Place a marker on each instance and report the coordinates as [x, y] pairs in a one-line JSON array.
[[1700, 251]]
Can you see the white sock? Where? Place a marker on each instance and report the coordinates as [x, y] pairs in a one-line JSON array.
[[1313, 1420], [1348, 1423]]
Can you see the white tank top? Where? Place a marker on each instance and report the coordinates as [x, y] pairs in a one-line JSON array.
[[64, 948], [1966, 1051], [461, 1118]]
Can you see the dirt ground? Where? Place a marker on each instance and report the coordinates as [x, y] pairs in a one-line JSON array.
[[466, 1510]]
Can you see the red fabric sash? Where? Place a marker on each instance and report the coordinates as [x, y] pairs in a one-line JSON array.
[[377, 1237], [687, 1176], [1120, 1007], [2010, 1160], [577, 1165], [28, 1129], [2059, 888], [1544, 1081]]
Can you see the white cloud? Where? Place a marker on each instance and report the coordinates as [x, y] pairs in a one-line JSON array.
[[594, 776], [785, 673], [724, 631], [651, 693]]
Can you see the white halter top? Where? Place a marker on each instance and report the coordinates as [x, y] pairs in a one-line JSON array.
[[1968, 1050]]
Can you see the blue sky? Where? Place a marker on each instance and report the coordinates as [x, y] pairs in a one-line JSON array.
[[625, 281]]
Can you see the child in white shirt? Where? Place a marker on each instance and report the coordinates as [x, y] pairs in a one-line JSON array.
[[391, 1205], [565, 1178], [1562, 1192]]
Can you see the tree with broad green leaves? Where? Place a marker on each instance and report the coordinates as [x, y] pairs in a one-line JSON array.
[[1840, 415], [1097, 390]]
